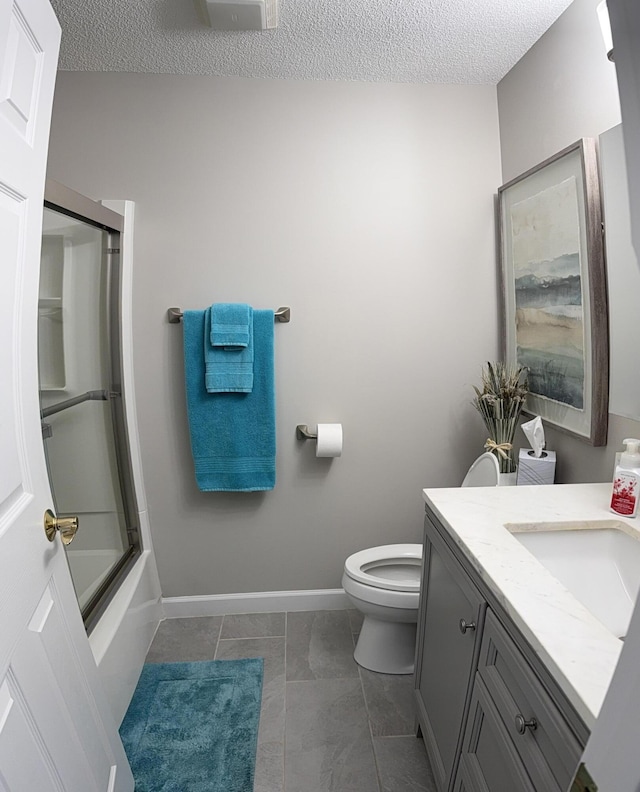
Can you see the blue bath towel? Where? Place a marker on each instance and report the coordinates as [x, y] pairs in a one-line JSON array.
[[227, 369], [233, 437], [230, 324]]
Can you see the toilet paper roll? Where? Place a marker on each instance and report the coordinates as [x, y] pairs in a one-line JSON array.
[[329, 442]]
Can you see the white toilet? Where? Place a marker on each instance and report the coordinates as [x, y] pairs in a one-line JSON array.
[[384, 584]]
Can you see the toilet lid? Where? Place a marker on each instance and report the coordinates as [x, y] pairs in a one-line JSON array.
[[393, 567], [485, 472]]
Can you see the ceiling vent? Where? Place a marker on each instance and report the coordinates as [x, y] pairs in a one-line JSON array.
[[242, 14]]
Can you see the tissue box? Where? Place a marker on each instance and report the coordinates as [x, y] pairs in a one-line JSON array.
[[532, 470]]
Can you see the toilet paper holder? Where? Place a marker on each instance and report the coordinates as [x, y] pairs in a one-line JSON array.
[[303, 433], [328, 438]]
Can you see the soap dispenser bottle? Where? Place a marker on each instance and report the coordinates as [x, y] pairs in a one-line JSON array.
[[626, 480]]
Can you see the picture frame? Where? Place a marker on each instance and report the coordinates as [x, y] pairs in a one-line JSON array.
[[554, 314]]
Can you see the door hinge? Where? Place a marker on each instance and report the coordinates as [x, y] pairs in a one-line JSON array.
[[583, 781], [113, 250]]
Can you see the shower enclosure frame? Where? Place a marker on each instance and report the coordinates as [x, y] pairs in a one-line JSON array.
[[65, 201]]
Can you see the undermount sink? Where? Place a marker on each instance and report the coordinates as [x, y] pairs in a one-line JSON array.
[[598, 562]]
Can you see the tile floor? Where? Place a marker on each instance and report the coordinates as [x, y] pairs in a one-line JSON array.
[[326, 725]]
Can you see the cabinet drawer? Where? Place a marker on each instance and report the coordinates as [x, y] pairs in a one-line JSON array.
[[547, 747], [489, 762]]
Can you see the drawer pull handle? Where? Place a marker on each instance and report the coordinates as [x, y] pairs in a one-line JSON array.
[[464, 626], [522, 725]]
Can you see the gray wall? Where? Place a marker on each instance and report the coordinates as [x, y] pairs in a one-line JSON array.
[[563, 89], [366, 207]]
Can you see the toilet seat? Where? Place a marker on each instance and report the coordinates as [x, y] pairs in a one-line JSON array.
[[390, 567], [371, 595]]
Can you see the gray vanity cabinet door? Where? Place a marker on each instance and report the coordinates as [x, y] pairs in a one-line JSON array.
[[548, 749], [464, 783], [489, 762], [451, 619]]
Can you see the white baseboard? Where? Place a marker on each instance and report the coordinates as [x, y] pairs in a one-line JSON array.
[[255, 602]]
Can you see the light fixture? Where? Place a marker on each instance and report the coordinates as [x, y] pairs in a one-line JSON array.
[[605, 27], [242, 14]]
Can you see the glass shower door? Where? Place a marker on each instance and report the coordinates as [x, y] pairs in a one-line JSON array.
[[82, 419]]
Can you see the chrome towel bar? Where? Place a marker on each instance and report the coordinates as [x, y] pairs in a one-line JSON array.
[[94, 395], [174, 315]]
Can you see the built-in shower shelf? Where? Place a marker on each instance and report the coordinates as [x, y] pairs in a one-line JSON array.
[[55, 254], [51, 344]]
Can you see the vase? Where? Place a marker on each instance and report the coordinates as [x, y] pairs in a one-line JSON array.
[[507, 479], [504, 431]]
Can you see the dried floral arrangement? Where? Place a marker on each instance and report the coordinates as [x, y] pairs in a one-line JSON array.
[[500, 402]]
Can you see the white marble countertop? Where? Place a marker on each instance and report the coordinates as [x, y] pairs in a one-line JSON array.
[[579, 652]]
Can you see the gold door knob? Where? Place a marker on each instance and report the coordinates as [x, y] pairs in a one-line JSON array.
[[66, 526]]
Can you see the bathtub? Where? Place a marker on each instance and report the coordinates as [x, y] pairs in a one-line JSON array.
[[121, 638]]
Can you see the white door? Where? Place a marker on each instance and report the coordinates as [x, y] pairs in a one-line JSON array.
[[55, 729], [611, 755]]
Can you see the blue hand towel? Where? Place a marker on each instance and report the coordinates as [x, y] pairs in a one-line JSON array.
[[227, 369], [233, 437], [230, 324]]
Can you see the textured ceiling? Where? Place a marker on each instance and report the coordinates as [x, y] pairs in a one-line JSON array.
[[427, 41]]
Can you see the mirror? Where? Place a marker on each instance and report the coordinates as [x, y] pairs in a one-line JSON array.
[[623, 277]]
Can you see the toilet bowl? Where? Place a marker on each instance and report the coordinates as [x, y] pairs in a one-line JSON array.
[[383, 583]]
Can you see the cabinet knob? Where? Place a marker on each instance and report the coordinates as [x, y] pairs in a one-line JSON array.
[[522, 725], [465, 625]]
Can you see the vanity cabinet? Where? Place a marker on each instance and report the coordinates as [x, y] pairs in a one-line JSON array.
[[449, 633], [489, 722]]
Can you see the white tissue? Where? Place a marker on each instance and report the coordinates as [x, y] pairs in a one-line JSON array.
[[534, 432]]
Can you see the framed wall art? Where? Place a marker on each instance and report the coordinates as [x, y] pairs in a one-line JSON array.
[[555, 314]]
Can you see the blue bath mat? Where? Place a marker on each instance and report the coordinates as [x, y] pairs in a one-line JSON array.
[[193, 727]]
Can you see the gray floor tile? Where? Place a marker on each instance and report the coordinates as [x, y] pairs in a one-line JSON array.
[[328, 744], [320, 741], [253, 625], [185, 640], [389, 699], [403, 765], [319, 646], [355, 620], [272, 712], [269, 775], [270, 649]]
